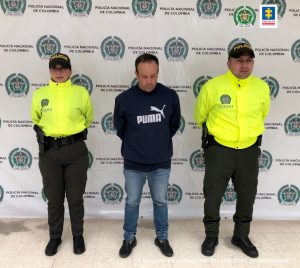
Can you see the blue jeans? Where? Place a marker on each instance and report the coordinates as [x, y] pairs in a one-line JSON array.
[[158, 181]]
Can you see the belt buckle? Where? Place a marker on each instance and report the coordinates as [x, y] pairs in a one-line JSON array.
[[64, 141], [55, 143]]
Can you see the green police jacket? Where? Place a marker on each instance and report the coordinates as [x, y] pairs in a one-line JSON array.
[[233, 109], [61, 109]]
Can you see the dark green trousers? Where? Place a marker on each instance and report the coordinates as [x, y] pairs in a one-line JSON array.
[[64, 172], [242, 167]]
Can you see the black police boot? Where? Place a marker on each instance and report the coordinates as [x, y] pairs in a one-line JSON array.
[[52, 246], [127, 247], [78, 244], [208, 246], [245, 245], [164, 246]]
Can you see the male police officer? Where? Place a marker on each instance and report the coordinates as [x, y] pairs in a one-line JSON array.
[[62, 113], [234, 106]]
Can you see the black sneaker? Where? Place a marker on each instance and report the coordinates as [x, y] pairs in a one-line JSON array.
[[245, 245], [52, 246], [78, 244], [127, 247], [164, 247], [209, 245]]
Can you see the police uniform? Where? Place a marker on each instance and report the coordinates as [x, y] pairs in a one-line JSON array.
[[234, 111], [63, 112]]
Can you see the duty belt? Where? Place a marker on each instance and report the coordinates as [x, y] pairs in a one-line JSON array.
[[211, 141], [64, 141]]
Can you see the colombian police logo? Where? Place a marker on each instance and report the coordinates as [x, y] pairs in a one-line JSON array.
[[288, 195], [91, 159], [20, 159], [197, 160], [43, 195], [134, 82], [209, 9], [292, 125], [83, 80], [47, 45], [144, 8], [112, 193], [13, 7], [174, 194], [182, 126], [1, 193], [229, 196], [17, 85], [200, 81], [265, 161], [281, 6], [225, 99], [244, 16], [107, 124], [295, 51], [235, 42], [273, 85], [44, 102], [79, 7], [176, 49], [112, 48]]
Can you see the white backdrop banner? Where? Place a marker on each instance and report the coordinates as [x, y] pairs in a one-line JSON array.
[[191, 38]]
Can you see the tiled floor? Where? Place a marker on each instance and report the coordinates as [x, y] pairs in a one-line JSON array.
[[22, 243]]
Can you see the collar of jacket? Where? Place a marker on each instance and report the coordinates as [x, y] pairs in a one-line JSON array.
[[239, 82], [60, 85]]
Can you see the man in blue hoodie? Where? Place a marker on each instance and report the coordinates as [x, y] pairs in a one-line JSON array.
[[146, 117]]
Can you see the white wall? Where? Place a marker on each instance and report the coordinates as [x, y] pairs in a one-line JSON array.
[[49, 25]]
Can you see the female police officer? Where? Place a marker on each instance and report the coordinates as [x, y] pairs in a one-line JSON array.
[[62, 113]]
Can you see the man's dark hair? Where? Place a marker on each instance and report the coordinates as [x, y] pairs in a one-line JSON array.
[[145, 58]]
